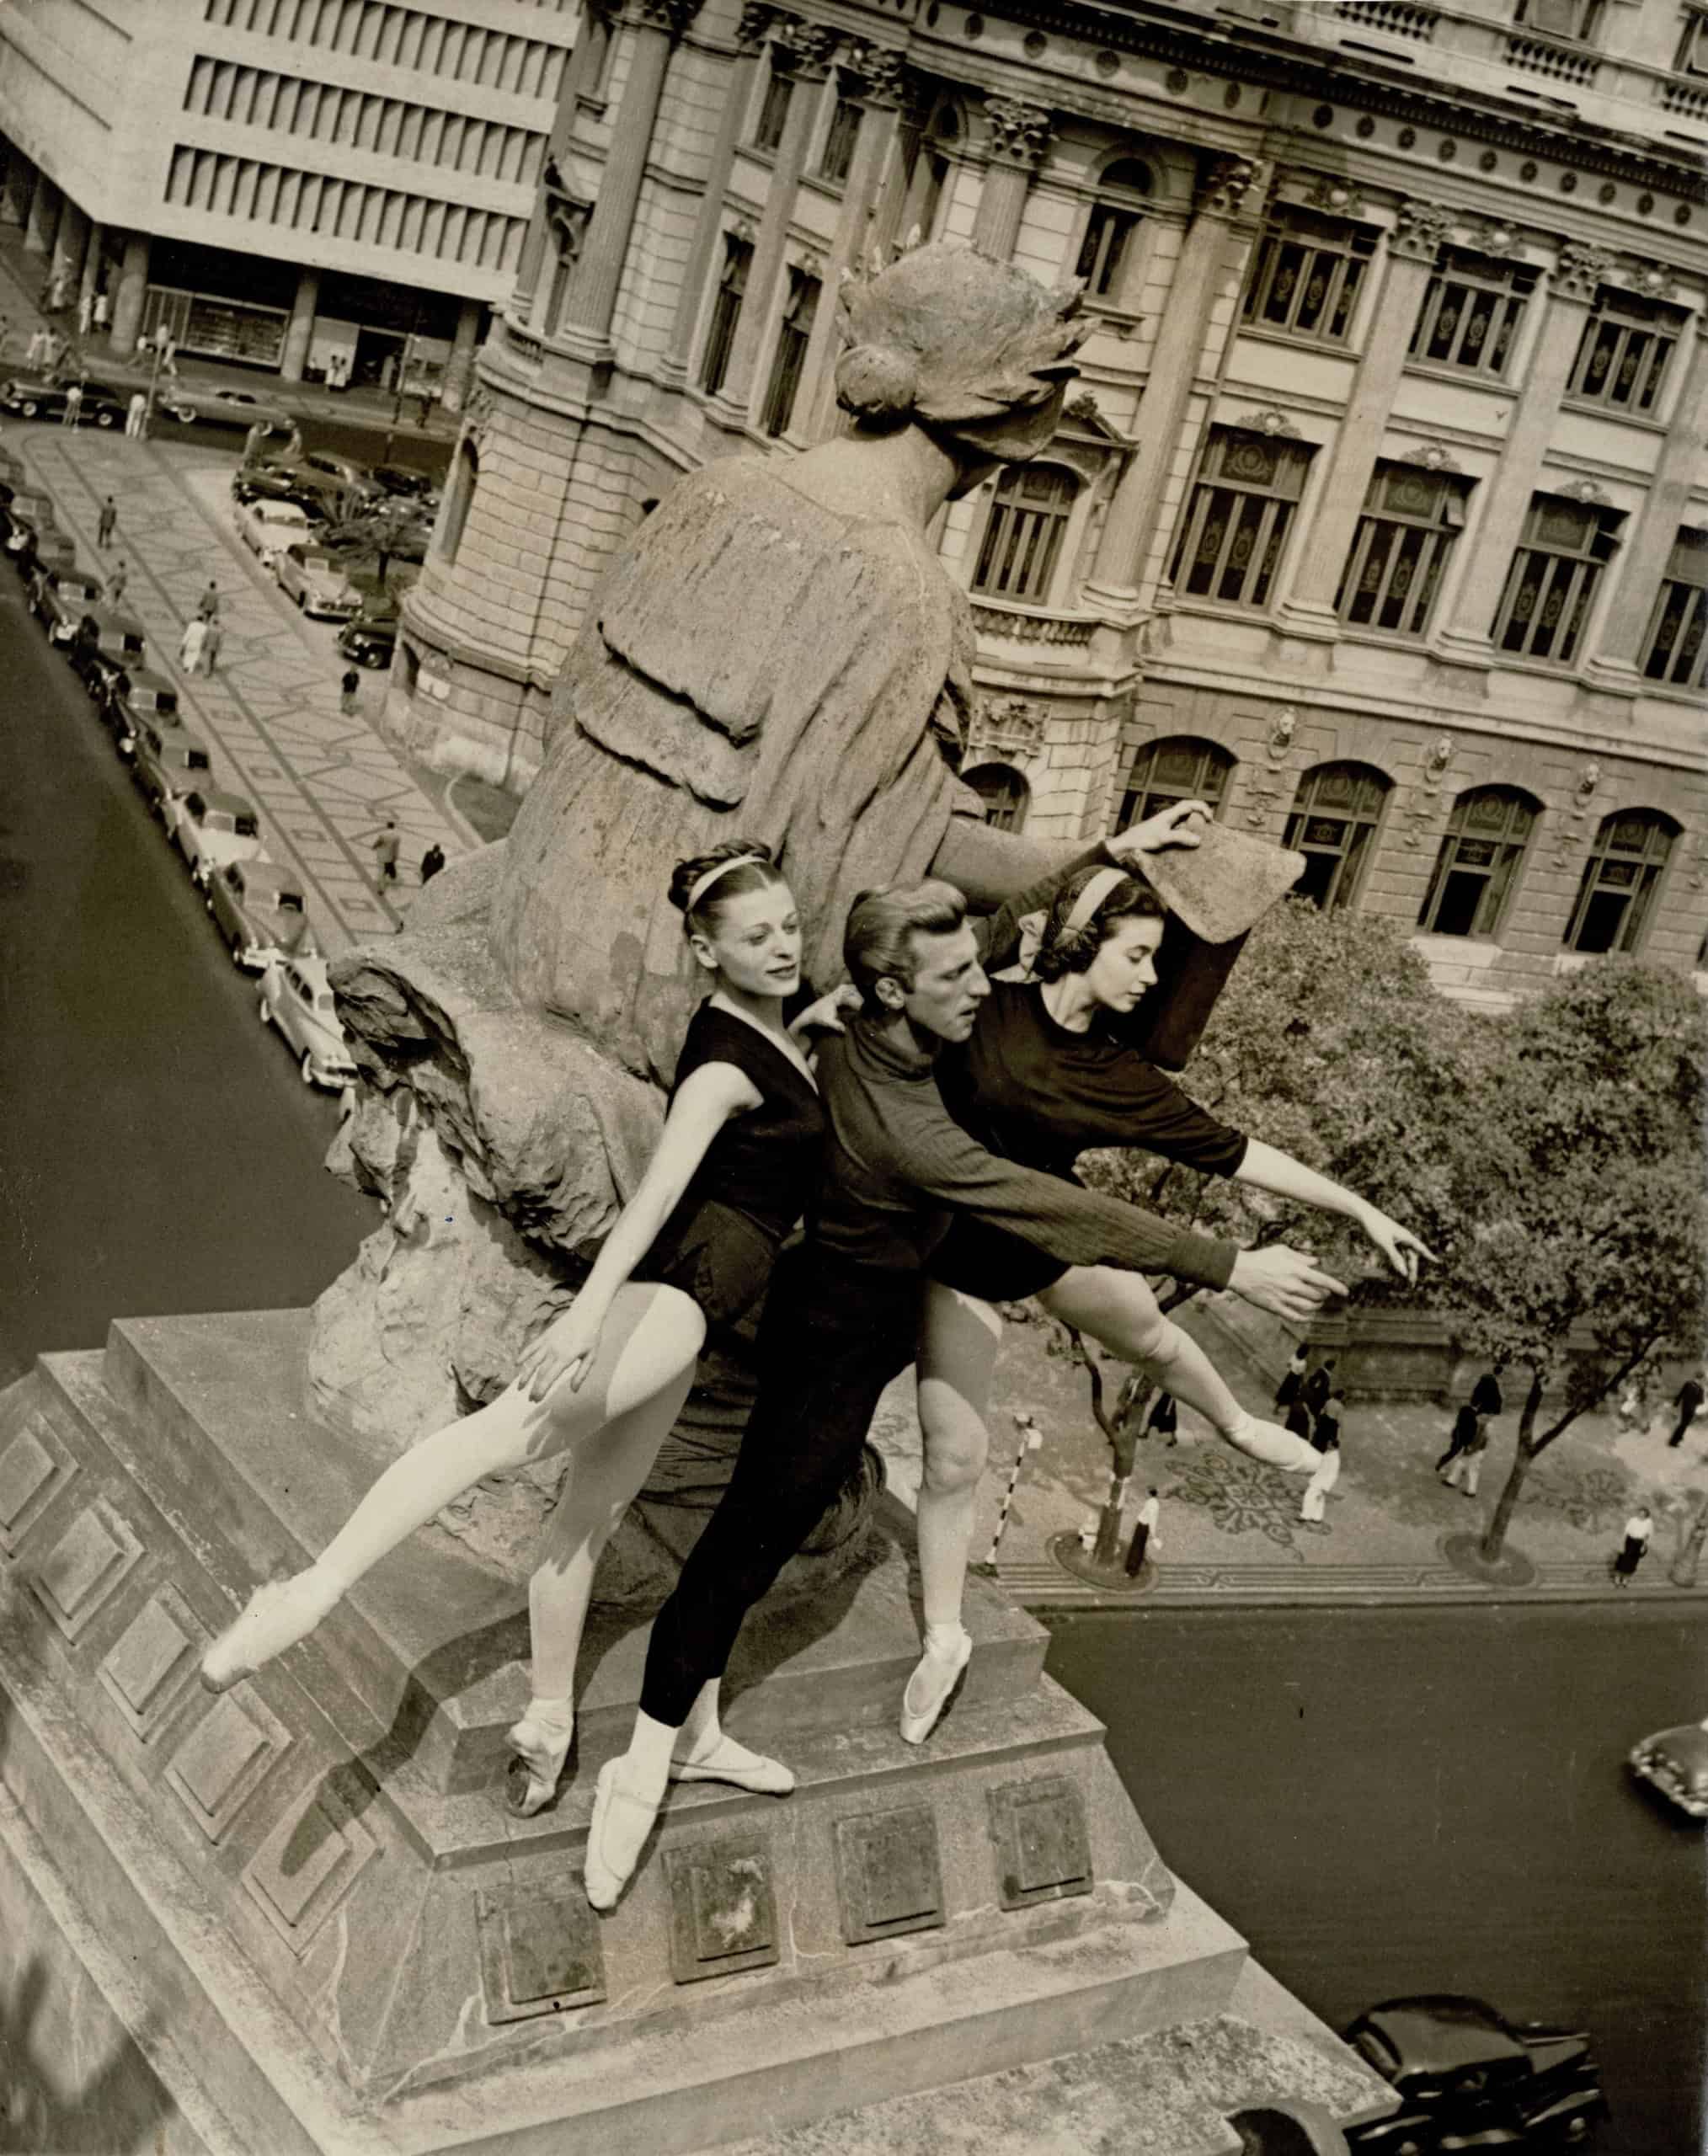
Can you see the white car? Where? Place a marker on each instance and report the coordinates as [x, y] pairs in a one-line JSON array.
[[266, 528], [211, 829], [296, 998]]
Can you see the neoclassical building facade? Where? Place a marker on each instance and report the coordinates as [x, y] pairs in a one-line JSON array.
[[1379, 516]]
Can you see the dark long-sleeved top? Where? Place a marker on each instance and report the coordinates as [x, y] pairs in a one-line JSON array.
[[897, 1166]]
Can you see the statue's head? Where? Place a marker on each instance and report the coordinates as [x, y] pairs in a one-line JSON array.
[[972, 350]]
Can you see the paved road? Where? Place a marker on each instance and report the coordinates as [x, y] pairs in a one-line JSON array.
[[158, 1150], [1409, 1800]]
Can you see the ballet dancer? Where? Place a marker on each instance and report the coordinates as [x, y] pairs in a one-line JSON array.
[[1044, 1076], [843, 1316], [691, 1253]]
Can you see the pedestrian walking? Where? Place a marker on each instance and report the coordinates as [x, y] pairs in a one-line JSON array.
[[349, 693], [1312, 1503], [73, 405], [1164, 1419], [32, 350], [1292, 1378], [1486, 1394], [117, 581], [1145, 1538], [208, 605], [105, 522], [432, 862], [85, 312], [1300, 1419], [1634, 1548], [1464, 1456], [137, 417], [211, 634], [1319, 1384], [424, 411], [1631, 1406], [103, 309], [1326, 1431], [386, 847], [1689, 1403], [190, 644]]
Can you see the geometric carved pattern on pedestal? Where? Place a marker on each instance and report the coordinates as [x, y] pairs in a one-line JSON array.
[[889, 1876], [539, 1954], [85, 1567], [34, 1469], [722, 1917], [306, 1867], [153, 1662], [220, 1764], [1043, 1851]]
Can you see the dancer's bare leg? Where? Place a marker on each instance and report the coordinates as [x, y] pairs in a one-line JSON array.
[[1120, 1312]]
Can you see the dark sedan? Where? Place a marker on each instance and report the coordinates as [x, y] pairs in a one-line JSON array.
[[371, 639], [1467, 2078], [102, 405]]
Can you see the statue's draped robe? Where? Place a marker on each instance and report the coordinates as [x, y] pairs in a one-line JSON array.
[[754, 667]]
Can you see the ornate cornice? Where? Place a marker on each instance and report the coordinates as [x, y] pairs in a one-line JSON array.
[[672, 17], [1228, 183], [1433, 456], [1015, 132], [1655, 281], [879, 71], [1336, 197], [1422, 230], [810, 47], [754, 26], [1581, 270]]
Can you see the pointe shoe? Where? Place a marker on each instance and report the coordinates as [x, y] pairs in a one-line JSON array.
[[1275, 1446], [541, 1747], [931, 1689], [275, 1617], [616, 1834], [732, 1762]]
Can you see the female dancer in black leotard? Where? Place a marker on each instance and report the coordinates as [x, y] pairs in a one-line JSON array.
[[1044, 1077], [691, 1253]]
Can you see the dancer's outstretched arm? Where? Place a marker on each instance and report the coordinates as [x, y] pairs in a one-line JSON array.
[[1265, 1168]]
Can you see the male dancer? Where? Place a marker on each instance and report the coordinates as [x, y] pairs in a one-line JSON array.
[[843, 1315]]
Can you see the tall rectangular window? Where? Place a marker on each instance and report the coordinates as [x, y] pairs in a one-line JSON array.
[[1022, 540], [1237, 520], [1306, 274], [840, 139], [1551, 584], [1626, 347], [1620, 878], [1472, 312], [726, 311], [774, 111], [1674, 651], [1478, 863], [793, 339], [1573, 19], [1411, 518]]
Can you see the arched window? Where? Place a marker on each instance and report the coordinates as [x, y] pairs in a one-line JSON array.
[[1478, 864], [1620, 878], [1123, 197], [1178, 769], [1335, 818], [465, 473], [1023, 539], [1004, 793]]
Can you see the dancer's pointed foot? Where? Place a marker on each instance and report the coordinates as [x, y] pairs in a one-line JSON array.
[[724, 1760], [275, 1617], [932, 1688], [540, 1742], [1275, 1446], [622, 1818]]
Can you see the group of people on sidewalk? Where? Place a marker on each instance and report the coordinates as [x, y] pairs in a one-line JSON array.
[[1314, 1408]]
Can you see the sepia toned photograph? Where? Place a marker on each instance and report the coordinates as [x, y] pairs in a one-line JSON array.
[[853, 1077]]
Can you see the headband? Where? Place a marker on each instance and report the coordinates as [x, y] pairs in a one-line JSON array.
[[698, 889], [1091, 898]]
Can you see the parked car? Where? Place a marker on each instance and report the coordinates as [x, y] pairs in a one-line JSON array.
[[169, 760], [41, 545], [345, 473], [259, 909], [276, 483], [266, 528], [211, 829], [371, 638], [24, 507], [230, 407], [1676, 1762], [126, 697], [296, 998], [103, 406], [60, 595], [105, 633], [1467, 2078], [316, 582], [399, 479]]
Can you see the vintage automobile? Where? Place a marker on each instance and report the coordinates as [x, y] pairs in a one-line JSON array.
[[266, 528], [36, 541], [59, 597], [169, 760], [400, 479], [232, 408], [1675, 1762], [102, 406], [25, 506], [1467, 2078], [129, 696], [269, 481], [344, 475], [259, 909], [105, 633], [371, 638], [296, 998], [211, 829], [316, 582]]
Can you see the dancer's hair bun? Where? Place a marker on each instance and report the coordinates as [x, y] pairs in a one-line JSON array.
[[877, 382]]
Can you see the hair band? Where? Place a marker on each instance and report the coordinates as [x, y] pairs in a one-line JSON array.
[[1090, 898], [698, 889]]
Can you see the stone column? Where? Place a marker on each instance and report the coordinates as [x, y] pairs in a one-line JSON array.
[[592, 41], [127, 299], [299, 331], [90, 281], [1018, 138], [42, 223], [1643, 558], [1233, 191], [810, 45], [756, 25], [16, 189], [1570, 293], [878, 78], [657, 25], [459, 367], [1322, 554], [71, 247]]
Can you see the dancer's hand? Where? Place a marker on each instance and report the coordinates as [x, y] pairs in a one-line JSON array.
[[566, 1348], [1398, 1245], [1287, 1282], [1184, 824], [825, 1015]]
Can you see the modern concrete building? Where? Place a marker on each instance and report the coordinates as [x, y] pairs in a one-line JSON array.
[[1381, 518], [338, 188]]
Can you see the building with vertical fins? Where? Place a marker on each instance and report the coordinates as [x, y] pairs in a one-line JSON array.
[[1380, 516]]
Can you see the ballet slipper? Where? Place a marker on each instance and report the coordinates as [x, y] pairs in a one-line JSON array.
[[541, 1746], [1275, 1446], [931, 1689], [616, 1834], [727, 1761], [276, 1616]]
